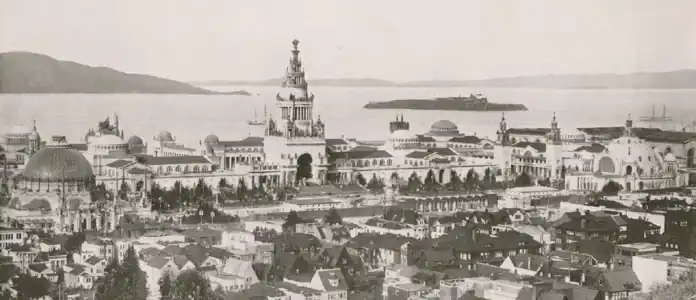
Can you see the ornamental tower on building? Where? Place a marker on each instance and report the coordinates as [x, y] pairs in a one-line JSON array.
[[503, 150], [294, 138]]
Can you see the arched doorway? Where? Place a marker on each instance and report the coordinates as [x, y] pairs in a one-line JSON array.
[[94, 224], [139, 186], [628, 186], [304, 167], [629, 170], [641, 185], [441, 176]]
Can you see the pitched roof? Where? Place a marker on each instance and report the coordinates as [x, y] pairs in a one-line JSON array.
[[423, 138], [618, 280], [38, 267], [466, 139], [378, 241], [251, 141], [418, 154], [237, 266], [528, 261], [7, 271], [529, 131], [77, 270], [180, 261], [442, 151], [174, 160], [541, 147], [336, 142], [332, 279], [93, 260], [601, 250], [120, 163]]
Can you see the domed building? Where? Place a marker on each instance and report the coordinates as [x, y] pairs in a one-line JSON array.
[[52, 193], [403, 139], [443, 128], [165, 145], [626, 160], [19, 143], [136, 145]]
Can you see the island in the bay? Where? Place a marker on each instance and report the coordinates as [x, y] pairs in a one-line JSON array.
[[26, 72], [471, 103]]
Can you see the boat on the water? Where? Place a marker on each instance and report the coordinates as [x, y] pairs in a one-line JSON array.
[[473, 102], [256, 121]]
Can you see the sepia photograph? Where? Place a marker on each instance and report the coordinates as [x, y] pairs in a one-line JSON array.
[[347, 150]]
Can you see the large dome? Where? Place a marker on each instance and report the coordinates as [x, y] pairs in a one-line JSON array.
[[627, 151], [444, 127], [56, 163], [211, 139], [165, 136]]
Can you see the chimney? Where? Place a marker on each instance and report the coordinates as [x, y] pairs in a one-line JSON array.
[[529, 262]]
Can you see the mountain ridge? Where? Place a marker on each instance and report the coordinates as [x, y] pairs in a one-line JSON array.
[[678, 79], [24, 72]]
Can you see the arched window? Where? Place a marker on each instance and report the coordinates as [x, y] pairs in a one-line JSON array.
[[374, 162], [205, 168], [367, 163], [389, 162], [381, 162], [159, 169], [177, 169], [169, 169], [186, 169], [195, 169]]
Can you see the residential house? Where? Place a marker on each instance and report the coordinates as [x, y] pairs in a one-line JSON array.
[[377, 251], [261, 291], [155, 268], [471, 245], [435, 259], [613, 284], [524, 264], [242, 270], [56, 259], [406, 291], [22, 255], [297, 242], [625, 252], [204, 236], [41, 270], [95, 265], [288, 263], [330, 283], [182, 263], [576, 226], [77, 276], [339, 257]]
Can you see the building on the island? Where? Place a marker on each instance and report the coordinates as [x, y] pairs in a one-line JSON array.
[[52, 193], [19, 143]]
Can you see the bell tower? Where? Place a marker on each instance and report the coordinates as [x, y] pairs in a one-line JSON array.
[[503, 150], [399, 124]]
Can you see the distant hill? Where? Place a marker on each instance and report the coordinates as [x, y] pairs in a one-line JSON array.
[[355, 82], [26, 72], [683, 79]]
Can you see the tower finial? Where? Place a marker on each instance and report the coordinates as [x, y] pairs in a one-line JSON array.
[[34, 123]]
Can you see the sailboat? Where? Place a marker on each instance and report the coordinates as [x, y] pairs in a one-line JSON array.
[[660, 120], [256, 121]]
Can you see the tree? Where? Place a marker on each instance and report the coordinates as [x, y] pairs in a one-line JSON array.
[[414, 183], [361, 179], [455, 182], [430, 179], [523, 180], [222, 183], [611, 188], [333, 217], [165, 285], [29, 287], [487, 175], [292, 220], [375, 185], [242, 190], [191, 284], [683, 288]]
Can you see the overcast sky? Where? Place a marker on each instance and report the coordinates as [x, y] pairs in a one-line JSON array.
[[388, 39]]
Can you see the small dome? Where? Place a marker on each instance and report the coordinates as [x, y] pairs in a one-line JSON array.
[[669, 157], [211, 139], [165, 136], [52, 163], [444, 126], [107, 139], [34, 136], [135, 141]]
